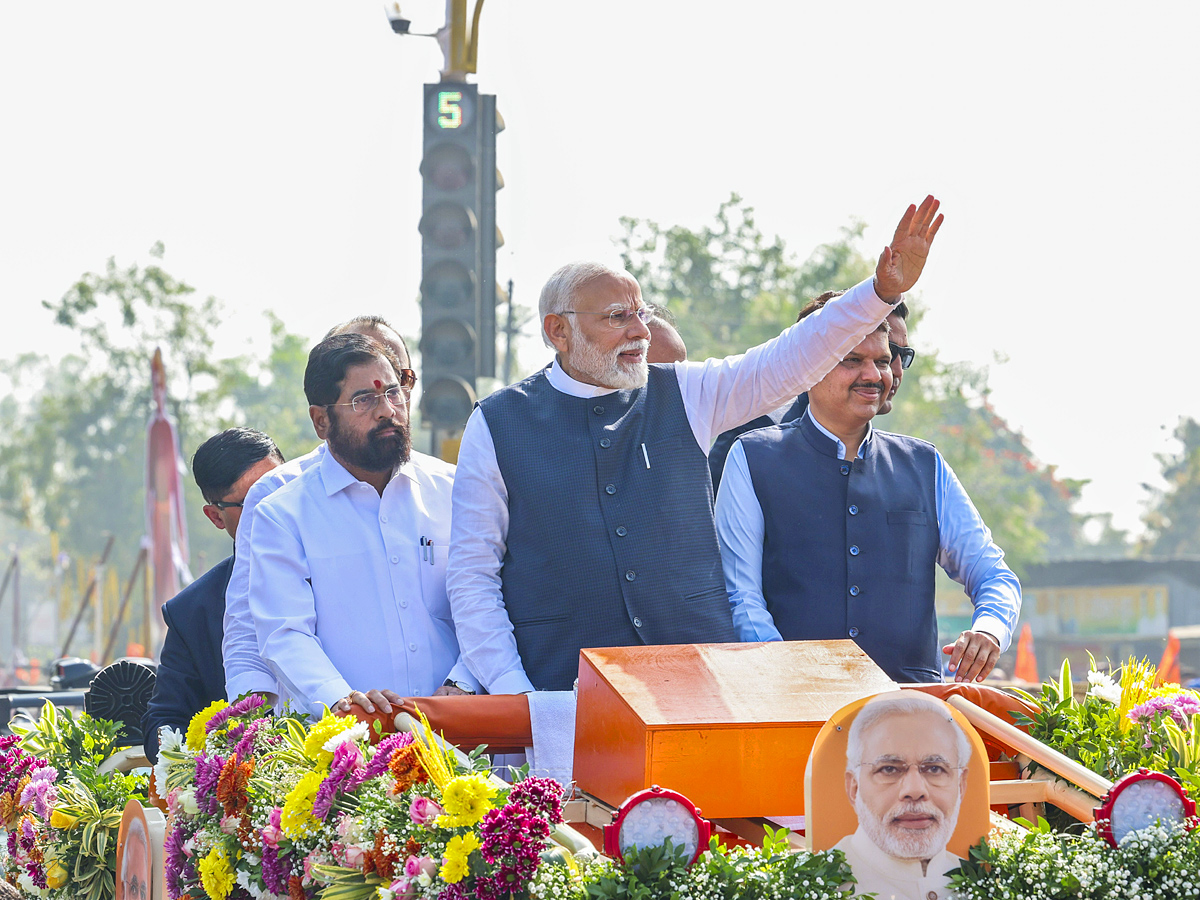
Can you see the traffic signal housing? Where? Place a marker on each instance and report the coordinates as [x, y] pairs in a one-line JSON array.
[[459, 239]]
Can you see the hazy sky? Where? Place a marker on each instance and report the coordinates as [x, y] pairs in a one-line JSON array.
[[274, 148]]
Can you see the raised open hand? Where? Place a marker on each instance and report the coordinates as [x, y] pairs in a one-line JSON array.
[[901, 263]]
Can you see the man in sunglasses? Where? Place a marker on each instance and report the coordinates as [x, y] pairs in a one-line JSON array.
[[347, 581], [831, 529], [902, 358], [582, 501], [189, 673]]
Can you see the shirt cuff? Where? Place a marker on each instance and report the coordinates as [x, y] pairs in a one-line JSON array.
[[251, 682], [995, 627], [462, 675], [516, 682], [330, 693]]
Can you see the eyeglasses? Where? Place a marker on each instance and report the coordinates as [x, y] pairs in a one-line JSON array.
[[225, 504], [906, 354], [890, 772], [619, 318], [364, 403]]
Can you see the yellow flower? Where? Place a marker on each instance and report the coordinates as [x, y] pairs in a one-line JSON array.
[[454, 863], [321, 732], [56, 876], [466, 800], [216, 875], [195, 733], [297, 819], [61, 820]]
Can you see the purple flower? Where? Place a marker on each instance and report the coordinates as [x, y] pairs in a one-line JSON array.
[[40, 793], [27, 837], [383, 754], [540, 795], [176, 861], [1177, 706], [275, 871], [245, 746], [512, 840], [208, 771], [35, 873], [345, 774]]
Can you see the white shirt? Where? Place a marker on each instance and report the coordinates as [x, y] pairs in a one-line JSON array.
[[245, 669], [344, 594], [890, 878], [717, 395], [967, 552]]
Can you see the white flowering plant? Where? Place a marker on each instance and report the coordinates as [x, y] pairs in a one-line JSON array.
[[1157, 863]]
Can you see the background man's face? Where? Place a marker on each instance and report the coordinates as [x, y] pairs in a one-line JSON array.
[[899, 337], [607, 356], [858, 385], [227, 519], [374, 441], [907, 814]]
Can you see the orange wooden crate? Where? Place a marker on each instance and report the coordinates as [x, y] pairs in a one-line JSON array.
[[730, 726]]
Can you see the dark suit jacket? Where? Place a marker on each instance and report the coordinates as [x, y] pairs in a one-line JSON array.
[[724, 443], [191, 674]]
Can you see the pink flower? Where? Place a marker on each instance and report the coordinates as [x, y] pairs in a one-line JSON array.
[[345, 825], [423, 810], [403, 888], [272, 834], [230, 824], [418, 865], [173, 801], [354, 855]]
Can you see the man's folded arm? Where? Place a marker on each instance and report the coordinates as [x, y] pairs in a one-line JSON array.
[[971, 557], [284, 610], [478, 535], [740, 530]]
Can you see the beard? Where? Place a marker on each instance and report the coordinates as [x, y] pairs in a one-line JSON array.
[[375, 452], [903, 843], [606, 367]]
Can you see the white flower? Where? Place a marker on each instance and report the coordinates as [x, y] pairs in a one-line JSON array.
[[243, 878], [170, 739], [355, 732], [26, 884], [384, 894], [187, 802], [1104, 687]]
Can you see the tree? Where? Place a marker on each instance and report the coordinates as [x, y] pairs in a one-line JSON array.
[[730, 289], [1173, 518]]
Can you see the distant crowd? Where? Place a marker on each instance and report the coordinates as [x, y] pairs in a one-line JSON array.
[[621, 495]]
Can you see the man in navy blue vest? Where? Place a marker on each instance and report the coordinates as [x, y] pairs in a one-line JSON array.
[[582, 507], [190, 673], [902, 358], [831, 529]]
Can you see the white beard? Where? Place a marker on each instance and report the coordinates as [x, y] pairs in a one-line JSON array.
[[606, 368], [901, 843]]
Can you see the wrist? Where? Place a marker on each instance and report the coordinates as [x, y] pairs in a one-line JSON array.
[[460, 685], [890, 300]]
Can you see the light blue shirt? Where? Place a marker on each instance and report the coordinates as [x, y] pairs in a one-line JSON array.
[[967, 552], [344, 594]]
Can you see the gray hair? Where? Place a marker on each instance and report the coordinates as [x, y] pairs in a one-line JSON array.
[[559, 291], [900, 703]]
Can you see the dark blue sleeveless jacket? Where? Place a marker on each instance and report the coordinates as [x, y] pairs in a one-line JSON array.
[[849, 548], [602, 550]]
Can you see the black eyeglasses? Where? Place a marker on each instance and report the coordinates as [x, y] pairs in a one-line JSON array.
[[906, 354], [225, 504]]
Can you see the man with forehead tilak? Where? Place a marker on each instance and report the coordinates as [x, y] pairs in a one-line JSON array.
[[346, 589], [582, 501]]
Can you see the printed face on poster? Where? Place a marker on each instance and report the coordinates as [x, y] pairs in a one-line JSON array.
[[899, 783]]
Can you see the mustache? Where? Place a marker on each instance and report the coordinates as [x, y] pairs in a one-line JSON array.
[[915, 809], [634, 345], [867, 384], [382, 426]]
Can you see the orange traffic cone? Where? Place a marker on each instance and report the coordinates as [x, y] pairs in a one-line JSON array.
[[1026, 669], [1168, 666]]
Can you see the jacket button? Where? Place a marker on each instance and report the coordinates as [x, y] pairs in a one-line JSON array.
[[854, 510], [622, 531], [605, 443], [630, 575], [598, 410], [854, 590], [854, 549], [637, 623], [610, 489], [853, 632], [845, 470]]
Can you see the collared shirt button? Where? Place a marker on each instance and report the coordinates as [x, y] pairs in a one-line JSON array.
[[854, 549], [854, 590], [395, 559], [403, 604], [605, 443], [853, 632], [637, 623], [610, 489], [598, 410], [630, 575], [413, 646], [853, 510], [383, 519], [622, 531], [845, 469]]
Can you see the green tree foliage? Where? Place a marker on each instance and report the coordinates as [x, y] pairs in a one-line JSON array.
[[731, 288], [1173, 517], [73, 441]]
